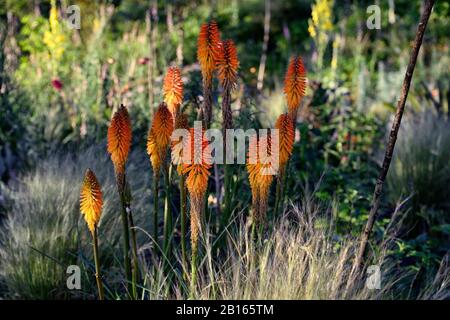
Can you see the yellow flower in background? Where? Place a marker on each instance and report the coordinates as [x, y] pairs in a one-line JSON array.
[[320, 25], [321, 15], [54, 37], [96, 25]]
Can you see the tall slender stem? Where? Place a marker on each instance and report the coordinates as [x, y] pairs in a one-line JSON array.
[[183, 220], [193, 271], [97, 265], [227, 116], [168, 226], [155, 208], [278, 192], [135, 272], [207, 103], [428, 6], [126, 242]]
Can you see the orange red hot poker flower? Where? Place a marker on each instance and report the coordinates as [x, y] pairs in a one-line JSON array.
[[227, 64], [295, 84], [197, 165], [208, 47], [181, 122], [173, 90], [159, 136], [119, 138], [258, 167], [91, 200], [286, 138], [197, 172]]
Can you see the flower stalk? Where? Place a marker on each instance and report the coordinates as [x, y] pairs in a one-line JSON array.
[[91, 203], [227, 67], [259, 169], [119, 143], [157, 145], [208, 47], [181, 122], [197, 171], [285, 127]]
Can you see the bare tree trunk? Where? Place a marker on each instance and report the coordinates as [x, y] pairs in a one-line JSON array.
[[392, 139], [262, 62]]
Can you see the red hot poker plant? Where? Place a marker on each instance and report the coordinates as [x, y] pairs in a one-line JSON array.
[[258, 165], [197, 172], [208, 47], [285, 127], [227, 67], [295, 85], [173, 90], [158, 141], [118, 145], [91, 203], [181, 122], [119, 140]]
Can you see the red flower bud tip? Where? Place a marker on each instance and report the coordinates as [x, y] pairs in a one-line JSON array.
[[57, 84], [144, 60]]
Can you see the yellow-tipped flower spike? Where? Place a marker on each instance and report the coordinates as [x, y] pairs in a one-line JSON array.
[[295, 84], [197, 172], [159, 136], [91, 200], [119, 138], [227, 65], [173, 90], [208, 47], [286, 135]]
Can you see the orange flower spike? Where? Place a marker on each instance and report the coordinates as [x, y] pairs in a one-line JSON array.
[[159, 135], [173, 90], [197, 173], [286, 138], [181, 122], [259, 179], [208, 47], [91, 200], [197, 180], [119, 138], [154, 152], [227, 64], [295, 84]]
